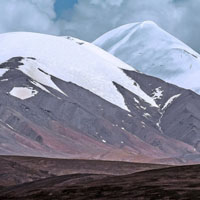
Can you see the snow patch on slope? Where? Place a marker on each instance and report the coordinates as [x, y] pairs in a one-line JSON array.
[[40, 86], [3, 80], [33, 69], [170, 100], [136, 100], [158, 93], [23, 92]]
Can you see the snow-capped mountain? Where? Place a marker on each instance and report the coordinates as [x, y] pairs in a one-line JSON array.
[[153, 51], [62, 97], [79, 62]]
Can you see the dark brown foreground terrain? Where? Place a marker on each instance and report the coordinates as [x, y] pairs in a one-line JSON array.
[[98, 180], [15, 170]]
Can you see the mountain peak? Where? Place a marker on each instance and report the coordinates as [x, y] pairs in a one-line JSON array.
[[152, 50], [79, 62], [148, 23], [126, 29]]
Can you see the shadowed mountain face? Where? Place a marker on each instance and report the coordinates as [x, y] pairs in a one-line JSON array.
[[95, 180], [67, 121]]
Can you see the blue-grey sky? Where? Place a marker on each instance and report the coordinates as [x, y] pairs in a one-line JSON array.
[[88, 19], [63, 5]]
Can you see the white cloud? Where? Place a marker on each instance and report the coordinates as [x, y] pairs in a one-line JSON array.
[[91, 18], [28, 15]]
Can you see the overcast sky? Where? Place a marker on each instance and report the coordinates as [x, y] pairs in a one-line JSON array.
[[88, 19]]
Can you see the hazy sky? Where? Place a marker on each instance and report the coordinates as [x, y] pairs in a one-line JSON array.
[[88, 19]]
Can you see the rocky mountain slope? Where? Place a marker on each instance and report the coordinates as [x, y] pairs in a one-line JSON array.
[[153, 51], [66, 98]]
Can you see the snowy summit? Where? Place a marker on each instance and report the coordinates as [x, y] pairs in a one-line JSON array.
[[71, 60], [152, 50]]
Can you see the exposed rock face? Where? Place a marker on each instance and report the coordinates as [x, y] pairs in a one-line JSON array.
[[68, 121]]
